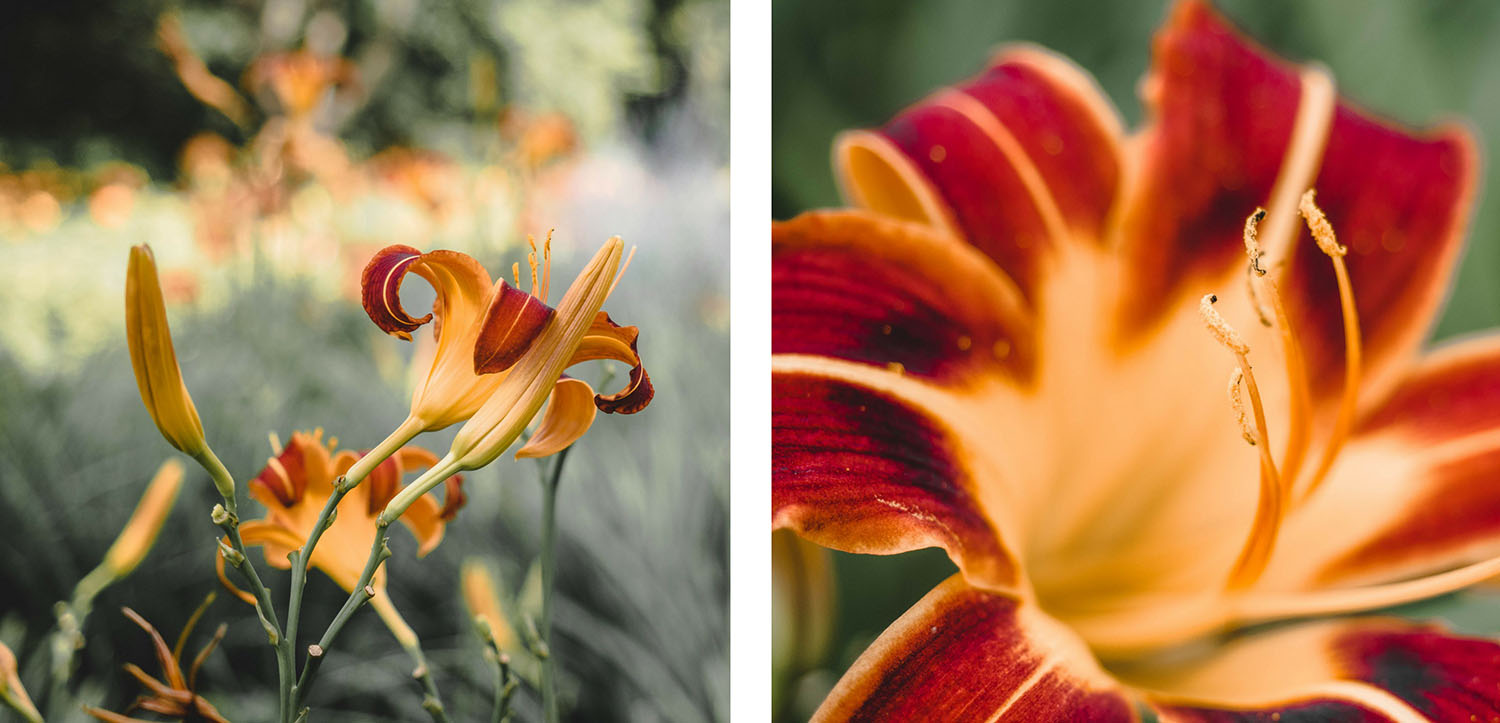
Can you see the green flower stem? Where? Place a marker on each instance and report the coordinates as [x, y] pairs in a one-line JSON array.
[[505, 687], [357, 473], [550, 481], [360, 595], [432, 701], [228, 519]]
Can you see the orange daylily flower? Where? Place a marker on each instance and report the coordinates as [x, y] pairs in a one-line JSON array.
[[533, 377], [485, 328], [1003, 353], [296, 484], [177, 696]]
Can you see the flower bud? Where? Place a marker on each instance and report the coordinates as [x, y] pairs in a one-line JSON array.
[[155, 362]]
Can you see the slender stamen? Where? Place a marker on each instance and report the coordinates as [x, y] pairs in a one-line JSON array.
[[1296, 370], [531, 259], [546, 264], [515, 274], [1269, 509], [623, 266], [1322, 232]]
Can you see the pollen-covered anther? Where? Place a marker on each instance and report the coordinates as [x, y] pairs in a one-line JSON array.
[[1252, 243], [1317, 223], [1237, 403], [1221, 329]]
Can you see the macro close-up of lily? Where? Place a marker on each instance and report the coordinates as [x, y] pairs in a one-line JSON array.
[[1161, 395]]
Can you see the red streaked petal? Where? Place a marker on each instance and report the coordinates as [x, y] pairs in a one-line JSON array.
[[607, 340], [861, 471], [511, 325], [855, 286], [1011, 160], [1066, 125], [963, 654], [1222, 113], [984, 199], [380, 287], [1412, 493], [1361, 669], [454, 497], [1453, 392], [1400, 203], [381, 485]]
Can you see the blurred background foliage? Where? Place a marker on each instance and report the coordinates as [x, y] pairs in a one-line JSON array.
[[265, 148], [839, 65]]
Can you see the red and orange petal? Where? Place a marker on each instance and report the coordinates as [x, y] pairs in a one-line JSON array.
[[1221, 113], [380, 290], [285, 480], [1011, 161], [856, 286], [607, 340], [963, 654], [1400, 203], [461, 283], [511, 325], [1412, 493], [1363, 669], [862, 471]]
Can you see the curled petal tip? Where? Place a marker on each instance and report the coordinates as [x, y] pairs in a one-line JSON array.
[[380, 290]]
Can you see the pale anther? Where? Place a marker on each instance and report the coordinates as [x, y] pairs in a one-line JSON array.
[[1237, 403], [1252, 244], [1322, 231], [1220, 328]]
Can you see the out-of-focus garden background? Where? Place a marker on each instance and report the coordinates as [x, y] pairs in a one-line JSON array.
[[265, 148], [839, 65]]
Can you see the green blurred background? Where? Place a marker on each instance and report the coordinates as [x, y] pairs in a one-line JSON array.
[[838, 65], [463, 124]]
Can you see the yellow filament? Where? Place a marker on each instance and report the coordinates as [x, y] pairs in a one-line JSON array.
[[623, 266], [1296, 371], [531, 259], [1269, 510], [515, 274], [546, 264], [1322, 232]]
